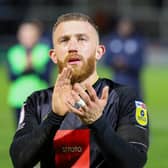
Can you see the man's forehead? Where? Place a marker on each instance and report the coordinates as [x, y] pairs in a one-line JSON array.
[[74, 27]]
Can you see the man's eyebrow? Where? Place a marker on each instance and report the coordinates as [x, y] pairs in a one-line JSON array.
[[67, 36], [82, 34], [63, 37]]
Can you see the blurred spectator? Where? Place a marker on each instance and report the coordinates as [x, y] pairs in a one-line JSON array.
[[28, 64], [125, 54], [103, 20]]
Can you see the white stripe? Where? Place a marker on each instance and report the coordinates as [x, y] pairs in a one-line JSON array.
[[22, 115], [140, 127], [100, 164], [139, 143]]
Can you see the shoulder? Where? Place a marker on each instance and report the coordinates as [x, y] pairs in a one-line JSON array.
[[106, 82], [127, 97], [40, 96], [123, 94], [42, 92], [15, 48], [119, 88], [124, 91], [114, 88]]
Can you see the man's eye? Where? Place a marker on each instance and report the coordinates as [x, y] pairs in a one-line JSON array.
[[63, 40], [82, 39]]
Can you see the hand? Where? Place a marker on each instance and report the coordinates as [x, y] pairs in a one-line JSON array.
[[62, 91], [94, 107]]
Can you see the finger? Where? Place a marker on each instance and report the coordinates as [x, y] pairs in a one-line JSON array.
[[64, 77], [77, 98], [69, 73], [105, 93], [74, 110], [57, 80], [66, 72], [78, 88], [63, 73], [60, 78], [91, 92], [70, 99]]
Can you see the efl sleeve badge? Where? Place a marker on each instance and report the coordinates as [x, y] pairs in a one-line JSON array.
[[141, 113]]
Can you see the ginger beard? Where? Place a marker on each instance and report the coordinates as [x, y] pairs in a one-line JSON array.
[[79, 72]]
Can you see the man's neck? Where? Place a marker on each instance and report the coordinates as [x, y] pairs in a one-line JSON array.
[[90, 80]]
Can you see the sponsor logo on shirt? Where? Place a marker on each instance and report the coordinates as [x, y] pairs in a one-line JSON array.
[[72, 148]]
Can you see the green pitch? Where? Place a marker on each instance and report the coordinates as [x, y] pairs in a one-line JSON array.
[[155, 81]]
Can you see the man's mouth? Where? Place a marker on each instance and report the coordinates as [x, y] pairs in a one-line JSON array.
[[74, 61]]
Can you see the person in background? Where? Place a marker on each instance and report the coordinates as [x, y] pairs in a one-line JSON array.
[[28, 65], [84, 120], [125, 50]]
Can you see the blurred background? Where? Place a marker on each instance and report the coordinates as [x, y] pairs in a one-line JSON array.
[[150, 18]]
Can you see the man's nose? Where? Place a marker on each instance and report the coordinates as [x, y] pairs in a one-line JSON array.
[[73, 45]]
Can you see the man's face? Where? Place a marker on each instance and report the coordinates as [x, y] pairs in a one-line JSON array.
[[28, 35], [75, 44]]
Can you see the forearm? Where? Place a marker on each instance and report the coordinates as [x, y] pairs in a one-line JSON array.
[[26, 148], [113, 146]]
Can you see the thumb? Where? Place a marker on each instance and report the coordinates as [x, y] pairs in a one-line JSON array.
[[105, 93]]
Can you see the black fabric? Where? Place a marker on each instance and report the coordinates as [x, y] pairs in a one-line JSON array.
[[117, 140], [134, 135]]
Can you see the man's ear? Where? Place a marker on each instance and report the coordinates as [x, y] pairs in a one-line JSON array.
[[53, 56], [100, 51]]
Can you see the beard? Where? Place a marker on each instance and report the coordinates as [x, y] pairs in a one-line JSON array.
[[79, 72]]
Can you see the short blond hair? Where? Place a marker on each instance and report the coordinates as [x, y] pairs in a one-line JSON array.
[[74, 17]]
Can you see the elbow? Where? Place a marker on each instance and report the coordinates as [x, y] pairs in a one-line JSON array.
[[138, 161], [16, 157], [21, 158], [142, 161]]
